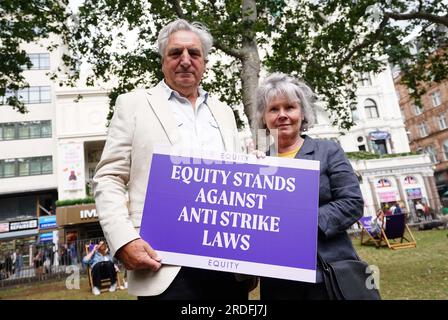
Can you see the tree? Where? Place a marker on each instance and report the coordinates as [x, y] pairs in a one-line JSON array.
[[331, 44], [328, 43], [24, 21]]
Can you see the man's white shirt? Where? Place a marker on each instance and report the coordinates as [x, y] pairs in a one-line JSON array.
[[197, 126]]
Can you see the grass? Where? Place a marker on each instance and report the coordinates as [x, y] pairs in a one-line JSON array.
[[420, 273], [57, 290]]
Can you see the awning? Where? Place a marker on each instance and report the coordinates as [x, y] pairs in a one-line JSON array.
[[18, 234], [379, 135]]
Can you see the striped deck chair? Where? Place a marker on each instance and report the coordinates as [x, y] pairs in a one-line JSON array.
[[367, 237], [397, 234]]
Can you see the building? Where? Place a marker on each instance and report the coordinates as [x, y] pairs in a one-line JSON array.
[[427, 126], [379, 129], [81, 134], [49, 154], [28, 170]]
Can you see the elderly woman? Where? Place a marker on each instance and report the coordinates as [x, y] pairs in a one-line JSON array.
[[284, 109]]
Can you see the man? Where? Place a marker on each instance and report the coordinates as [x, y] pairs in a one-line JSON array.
[[102, 266], [177, 112]]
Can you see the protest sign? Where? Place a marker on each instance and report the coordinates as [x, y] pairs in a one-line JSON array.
[[233, 212]]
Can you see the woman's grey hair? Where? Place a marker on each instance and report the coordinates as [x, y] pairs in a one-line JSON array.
[[280, 84], [183, 25]]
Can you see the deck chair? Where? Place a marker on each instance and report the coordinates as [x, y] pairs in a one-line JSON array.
[[106, 282], [367, 238], [397, 234]]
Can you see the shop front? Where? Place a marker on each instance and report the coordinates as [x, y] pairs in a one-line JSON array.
[[387, 192], [19, 234], [78, 222]]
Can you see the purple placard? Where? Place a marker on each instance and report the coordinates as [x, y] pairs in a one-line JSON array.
[[366, 223], [248, 215]]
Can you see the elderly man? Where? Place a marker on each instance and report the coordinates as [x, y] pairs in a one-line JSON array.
[[177, 112]]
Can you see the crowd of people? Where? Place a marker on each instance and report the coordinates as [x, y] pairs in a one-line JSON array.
[[45, 259], [11, 263]]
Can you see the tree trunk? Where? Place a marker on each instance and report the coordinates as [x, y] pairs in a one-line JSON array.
[[250, 61]]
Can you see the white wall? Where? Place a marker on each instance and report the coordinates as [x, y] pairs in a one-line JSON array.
[[80, 122], [84, 118], [29, 183], [382, 91]]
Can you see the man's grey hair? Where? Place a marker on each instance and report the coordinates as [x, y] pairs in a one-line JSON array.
[[279, 84], [183, 25]]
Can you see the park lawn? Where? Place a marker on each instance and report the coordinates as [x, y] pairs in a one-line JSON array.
[[417, 273], [57, 290]]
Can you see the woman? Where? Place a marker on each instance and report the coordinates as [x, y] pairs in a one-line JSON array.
[[284, 108], [378, 223]]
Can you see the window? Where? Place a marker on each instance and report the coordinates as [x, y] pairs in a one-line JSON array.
[[25, 130], [33, 94], [410, 180], [40, 61], [47, 165], [35, 129], [45, 131], [383, 183], [38, 94], [436, 99], [417, 109], [354, 111], [371, 109], [35, 166], [45, 94], [9, 168], [445, 149], [365, 79], [432, 153], [26, 167], [442, 122], [423, 129], [379, 146], [8, 93], [9, 131]]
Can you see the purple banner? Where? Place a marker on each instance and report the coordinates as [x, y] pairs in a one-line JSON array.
[[251, 216]]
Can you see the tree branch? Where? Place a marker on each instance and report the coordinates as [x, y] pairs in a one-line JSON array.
[[364, 44], [177, 8], [231, 52], [219, 45], [418, 15]]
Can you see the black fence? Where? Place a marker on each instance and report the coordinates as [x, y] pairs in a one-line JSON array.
[[37, 262]]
